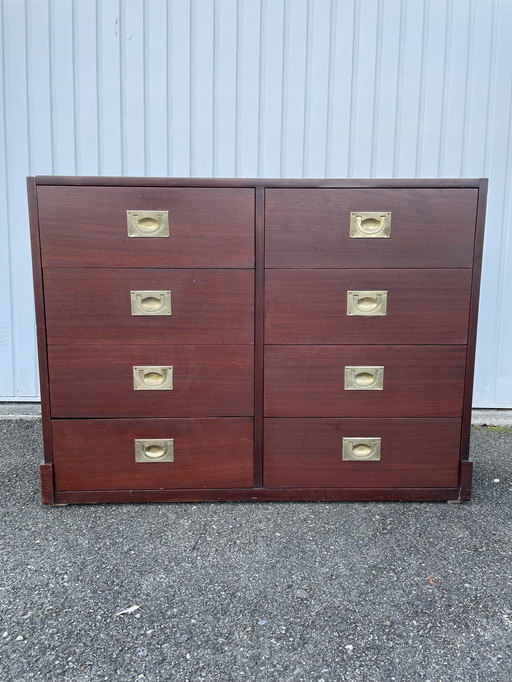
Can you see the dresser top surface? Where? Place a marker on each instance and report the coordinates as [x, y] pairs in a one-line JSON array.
[[397, 183]]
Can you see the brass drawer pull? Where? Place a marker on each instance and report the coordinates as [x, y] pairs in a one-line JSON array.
[[356, 449], [152, 378], [370, 224], [364, 378], [154, 450], [147, 223], [367, 303], [151, 302]]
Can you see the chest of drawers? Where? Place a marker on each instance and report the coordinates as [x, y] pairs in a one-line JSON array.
[[256, 339]]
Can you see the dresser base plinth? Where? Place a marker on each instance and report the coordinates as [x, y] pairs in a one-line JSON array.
[[466, 477], [47, 489], [260, 495]]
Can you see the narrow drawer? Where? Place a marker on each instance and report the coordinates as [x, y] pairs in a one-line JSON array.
[[308, 453], [361, 381], [313, 306], [88, 226], [101, 454], [154, 306], [429, 228], [207, 381]]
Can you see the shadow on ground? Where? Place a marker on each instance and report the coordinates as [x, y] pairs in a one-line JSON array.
[[299, 592]]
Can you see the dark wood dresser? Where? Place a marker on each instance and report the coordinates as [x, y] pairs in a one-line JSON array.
[[256, 339]]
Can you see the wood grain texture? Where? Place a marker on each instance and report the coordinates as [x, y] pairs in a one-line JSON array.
[[309, 228], [86, 226], [259, 495], [374, 183], [94, 381], [466, 478], [224, 224], [310, 306], [419, 381], [100, 454], [46, 473], [208, 306], [259, 336], [47, 484], [414, 453], [472, 328]]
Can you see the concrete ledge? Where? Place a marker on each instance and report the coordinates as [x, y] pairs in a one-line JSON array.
[[491, 417], [33, 411], [20, 410]]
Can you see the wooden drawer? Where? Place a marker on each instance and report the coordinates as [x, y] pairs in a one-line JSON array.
[[207, 306], [418, 381], [100, 454], [307, 453], [87, 226], [208, 381], [423, 306], [310, 228]]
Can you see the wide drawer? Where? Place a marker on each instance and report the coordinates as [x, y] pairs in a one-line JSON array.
[[308, 453], [207, 381], [171, 306], [363, 381], [312, 306], [88, 226], [101, 454], [311, 228]]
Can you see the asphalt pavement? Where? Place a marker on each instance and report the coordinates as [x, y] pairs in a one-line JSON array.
[[257, 592]]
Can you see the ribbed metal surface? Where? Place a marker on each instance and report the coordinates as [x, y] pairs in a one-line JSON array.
[[292, 88]]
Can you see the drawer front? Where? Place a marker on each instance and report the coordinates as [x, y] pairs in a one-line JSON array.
[[206, 306], [311, 228], [207, 381], [308, 453], [320, 381], [88, 226], [100, 454], [423, 306]]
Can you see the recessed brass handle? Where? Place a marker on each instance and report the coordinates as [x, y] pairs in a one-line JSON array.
[[367, 303], [370, 224], [153, 378], [147, 223], [357, 449], [364, 378], [151, 302], [154, 450]]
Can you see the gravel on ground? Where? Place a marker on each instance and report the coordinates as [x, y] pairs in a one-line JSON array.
[[262, 592]]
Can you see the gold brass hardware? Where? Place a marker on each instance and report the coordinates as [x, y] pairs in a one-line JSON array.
[[147, 223], [367, 303], [151, 302], [154, 450], [370, 224], [355, 449], [364, 378], [152, 379]]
